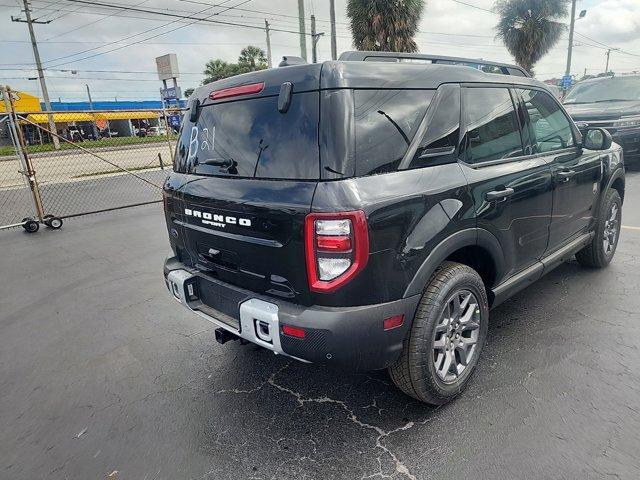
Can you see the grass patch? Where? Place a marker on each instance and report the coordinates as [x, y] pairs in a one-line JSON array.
[[7, 150]]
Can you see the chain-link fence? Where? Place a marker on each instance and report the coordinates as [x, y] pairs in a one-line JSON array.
[[74, 163], [16, 201]]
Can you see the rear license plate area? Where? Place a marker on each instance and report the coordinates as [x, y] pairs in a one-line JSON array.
[[211, 256], [217, 305]]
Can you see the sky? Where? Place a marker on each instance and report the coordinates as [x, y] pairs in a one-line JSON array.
[[113, 51]]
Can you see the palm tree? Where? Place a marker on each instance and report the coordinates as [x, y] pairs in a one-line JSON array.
[[251, 59], [218, 69], [254, 57], [385, 25], [530, 28]]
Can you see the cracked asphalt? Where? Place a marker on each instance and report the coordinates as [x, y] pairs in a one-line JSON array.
[[103, 375]]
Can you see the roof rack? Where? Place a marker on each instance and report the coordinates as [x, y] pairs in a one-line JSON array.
[[399, 57]]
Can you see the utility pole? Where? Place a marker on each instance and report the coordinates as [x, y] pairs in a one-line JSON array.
[[94, 127], [606, 68], [332, 17], [89, 95], [266, 29], [303, 32], [314, 40], [571, 26], [43, 84], [314, 52]]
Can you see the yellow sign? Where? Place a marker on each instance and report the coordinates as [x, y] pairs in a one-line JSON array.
[[23, 102]]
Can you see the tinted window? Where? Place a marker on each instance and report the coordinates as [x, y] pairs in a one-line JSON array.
[[516, 72], [492, 126], [443, 129], [551, 130], [386, 122], [248, 138]]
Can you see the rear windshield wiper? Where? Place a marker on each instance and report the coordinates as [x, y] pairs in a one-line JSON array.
[[217, 163]]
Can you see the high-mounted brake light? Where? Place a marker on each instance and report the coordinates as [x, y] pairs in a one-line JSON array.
[[237, 91], [337, 248]]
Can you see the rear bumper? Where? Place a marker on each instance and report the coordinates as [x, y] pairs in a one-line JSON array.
[[351, 337]]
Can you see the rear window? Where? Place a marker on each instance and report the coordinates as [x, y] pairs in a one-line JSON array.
[[385, 123], [251, 138]]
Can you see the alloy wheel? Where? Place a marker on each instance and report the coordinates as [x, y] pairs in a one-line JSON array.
[[456, 336], [611, 229]]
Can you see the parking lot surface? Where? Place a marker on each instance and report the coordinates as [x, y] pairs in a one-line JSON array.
[[102, 375]]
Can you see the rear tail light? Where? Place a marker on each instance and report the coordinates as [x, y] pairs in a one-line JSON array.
[[337, 248]]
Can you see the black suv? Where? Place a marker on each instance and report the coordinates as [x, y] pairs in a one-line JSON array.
[[612, 103], [370, 214]]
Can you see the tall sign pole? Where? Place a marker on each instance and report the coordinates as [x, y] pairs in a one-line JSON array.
[[303, 32], [43, 84]]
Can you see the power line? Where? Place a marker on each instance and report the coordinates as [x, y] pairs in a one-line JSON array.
[[296, 17], [608, 46], [195, 20], [87, 24], [122, 39], [184, 17], [473, 6]]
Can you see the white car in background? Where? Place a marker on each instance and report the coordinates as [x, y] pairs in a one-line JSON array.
[[156, 131]]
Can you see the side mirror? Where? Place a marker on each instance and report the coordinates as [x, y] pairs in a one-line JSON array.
[[596, 139]]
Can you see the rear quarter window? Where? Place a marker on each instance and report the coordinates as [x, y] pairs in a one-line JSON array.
[[385, 123], [251, 138]]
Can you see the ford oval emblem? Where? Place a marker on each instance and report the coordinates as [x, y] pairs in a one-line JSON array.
[[174, 233]]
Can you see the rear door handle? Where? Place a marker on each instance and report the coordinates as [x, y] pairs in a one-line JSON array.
[[499, 194], [565, 175]]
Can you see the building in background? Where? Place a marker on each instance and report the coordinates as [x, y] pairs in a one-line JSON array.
[[77, 121]]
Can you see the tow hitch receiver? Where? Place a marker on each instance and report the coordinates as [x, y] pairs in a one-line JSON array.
[[223, 336]]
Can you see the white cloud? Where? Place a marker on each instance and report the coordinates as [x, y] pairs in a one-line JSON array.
[[611, 22]]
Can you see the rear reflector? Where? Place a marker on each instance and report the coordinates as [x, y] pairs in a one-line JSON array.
[[393, 322], [293, 331], [333, 243], [237, 91]]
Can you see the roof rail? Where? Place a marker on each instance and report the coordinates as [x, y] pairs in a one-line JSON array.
[[398, 57]]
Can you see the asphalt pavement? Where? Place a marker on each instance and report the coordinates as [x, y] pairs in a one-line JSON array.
[[103, 375]]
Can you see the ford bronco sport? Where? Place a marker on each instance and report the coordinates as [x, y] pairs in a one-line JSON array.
[[370, 214]]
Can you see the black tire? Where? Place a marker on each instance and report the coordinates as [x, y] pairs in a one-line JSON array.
[[595, 254], [415, 372], [54, 223], [30, 225]]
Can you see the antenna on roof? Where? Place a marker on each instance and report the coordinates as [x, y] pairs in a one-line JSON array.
[[290, 60]]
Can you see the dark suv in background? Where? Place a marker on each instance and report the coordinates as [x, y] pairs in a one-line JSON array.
[[612, 103], [369, 214]]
